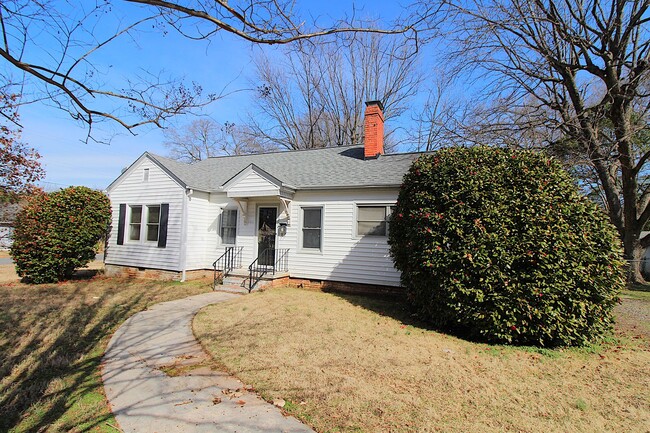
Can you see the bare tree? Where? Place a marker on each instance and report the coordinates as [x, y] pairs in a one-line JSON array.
[[316, 97], [51, 48], [205, 138], [561, 70]]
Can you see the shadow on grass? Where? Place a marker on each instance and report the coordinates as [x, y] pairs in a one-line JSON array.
[[50, 357], [636, 287], [393, 307]]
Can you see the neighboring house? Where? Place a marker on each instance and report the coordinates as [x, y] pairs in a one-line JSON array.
[[8, 212], [327, 209]]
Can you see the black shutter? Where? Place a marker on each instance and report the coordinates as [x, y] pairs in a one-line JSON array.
[[164, 217], [120, 224]]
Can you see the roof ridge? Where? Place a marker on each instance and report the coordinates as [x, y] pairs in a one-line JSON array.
[[275, 152]]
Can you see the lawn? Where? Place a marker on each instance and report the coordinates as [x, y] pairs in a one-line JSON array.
[[353, 364], [52, 338]]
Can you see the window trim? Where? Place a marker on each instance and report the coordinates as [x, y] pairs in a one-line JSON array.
[[130, 223], [144, 224], [301, 240], [147, 223], [387, 208], [221, 219]]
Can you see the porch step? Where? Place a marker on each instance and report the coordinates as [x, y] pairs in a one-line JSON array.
[[235, 280], [228, 288], [243, 273]]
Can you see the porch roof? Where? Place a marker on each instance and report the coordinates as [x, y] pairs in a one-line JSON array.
[[252, 181]]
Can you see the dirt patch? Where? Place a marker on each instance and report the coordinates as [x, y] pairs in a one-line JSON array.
[[633, 315]]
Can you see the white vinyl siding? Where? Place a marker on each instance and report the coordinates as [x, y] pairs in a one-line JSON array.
[[202, 231], [345, 256], [130, 190], [253, 185]]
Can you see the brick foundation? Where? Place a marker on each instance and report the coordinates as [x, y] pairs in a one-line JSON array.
[[318, 285], [339, 286], [155, 274]]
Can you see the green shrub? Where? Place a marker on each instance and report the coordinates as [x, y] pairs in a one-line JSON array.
[[500, 246], [58, 232]]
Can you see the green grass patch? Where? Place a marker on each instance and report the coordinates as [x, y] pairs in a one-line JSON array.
[[52, 339]]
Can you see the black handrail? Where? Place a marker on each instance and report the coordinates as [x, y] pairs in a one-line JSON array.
[[279, 259], [228, 261]]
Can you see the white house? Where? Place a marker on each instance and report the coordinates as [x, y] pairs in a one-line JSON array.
[[320, 215]]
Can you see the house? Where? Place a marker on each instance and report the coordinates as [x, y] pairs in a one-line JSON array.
[[312, 215], [8, 212]]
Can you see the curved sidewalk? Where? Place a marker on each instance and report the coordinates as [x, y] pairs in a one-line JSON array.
[[145, 399]]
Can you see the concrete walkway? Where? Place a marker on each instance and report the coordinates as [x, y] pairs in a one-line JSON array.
[[145, 399]]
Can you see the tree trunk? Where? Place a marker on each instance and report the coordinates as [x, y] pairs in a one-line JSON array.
[[633, 254]]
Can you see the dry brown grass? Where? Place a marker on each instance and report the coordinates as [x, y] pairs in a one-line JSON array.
[[52, 338], [4, 254], [353, 364]]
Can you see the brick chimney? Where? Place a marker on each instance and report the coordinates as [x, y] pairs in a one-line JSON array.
[[373, 129]]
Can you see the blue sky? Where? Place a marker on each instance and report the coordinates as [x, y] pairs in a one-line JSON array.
[[224, 61]]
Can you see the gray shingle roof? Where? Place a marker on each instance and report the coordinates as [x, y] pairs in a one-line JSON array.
[[334, 167]]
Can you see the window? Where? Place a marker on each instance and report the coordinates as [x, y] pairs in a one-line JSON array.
[[135, 223], [312, 218], [153, 223], [373, 220], [228, 226], [145, 175], [132, 218]]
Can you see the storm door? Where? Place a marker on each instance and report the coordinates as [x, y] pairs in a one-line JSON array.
[[266, 235]]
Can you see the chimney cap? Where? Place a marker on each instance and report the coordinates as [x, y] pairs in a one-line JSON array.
[[369, 103]]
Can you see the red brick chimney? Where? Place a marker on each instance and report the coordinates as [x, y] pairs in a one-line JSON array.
[[374, 130]]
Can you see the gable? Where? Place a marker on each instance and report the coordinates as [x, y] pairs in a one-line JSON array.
[[134, 174], [255, 182]]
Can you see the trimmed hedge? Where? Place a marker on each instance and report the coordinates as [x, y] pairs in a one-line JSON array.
[[57, 233], [499, 246]]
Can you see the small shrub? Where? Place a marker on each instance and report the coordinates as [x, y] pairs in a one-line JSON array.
[[57, 233], [500, 246]]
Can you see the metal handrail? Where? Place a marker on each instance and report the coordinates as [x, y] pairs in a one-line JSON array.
[[228, 261], [280, 262]]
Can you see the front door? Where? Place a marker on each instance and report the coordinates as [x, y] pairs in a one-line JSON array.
[[266, 235]]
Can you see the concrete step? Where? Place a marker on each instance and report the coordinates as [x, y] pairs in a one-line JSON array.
[[231, 280], [231, 289], [243, 290]]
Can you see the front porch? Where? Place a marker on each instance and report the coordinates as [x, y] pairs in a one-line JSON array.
[[230, 272]]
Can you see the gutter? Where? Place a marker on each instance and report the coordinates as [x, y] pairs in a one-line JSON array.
[[184, 226]]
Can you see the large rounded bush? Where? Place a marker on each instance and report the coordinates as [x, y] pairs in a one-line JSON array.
[[57, 233], [499, 246]]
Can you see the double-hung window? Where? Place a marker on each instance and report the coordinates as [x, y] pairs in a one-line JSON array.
[[228, 230], [312, 227], [153, 223], [372, 220], [143, 224], [135, 223]]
